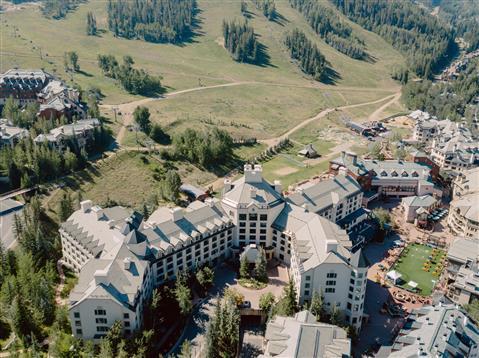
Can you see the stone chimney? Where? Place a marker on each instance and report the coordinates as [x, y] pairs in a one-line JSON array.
[[252, 193], [177, 214], [253, 174], [101, 277], [126, 263], [278, 187], [334, 198], [210, 202], [227, 185], [86, 205], [98, 211], [331, 245]]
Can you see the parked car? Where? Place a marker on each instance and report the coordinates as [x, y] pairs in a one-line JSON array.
[[245, 304]]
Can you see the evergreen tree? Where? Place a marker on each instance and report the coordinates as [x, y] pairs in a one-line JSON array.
[[183, 295], [260, 267], [266, 302], [205, 277], [240, 41], [170, 186], [65, 207], [142, 118], [71, 61], [289, 304], [336, 316], [310, 60], [425, 40], [316, 306], [91, 28], [244, 267], [328, 25], [154, 21], [131, 79]]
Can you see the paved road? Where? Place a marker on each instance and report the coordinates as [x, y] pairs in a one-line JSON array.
[[7, 236]]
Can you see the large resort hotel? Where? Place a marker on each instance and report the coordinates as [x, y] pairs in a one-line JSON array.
[[121, 258]]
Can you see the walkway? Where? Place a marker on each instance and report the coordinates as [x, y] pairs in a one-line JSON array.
[[58, 290]]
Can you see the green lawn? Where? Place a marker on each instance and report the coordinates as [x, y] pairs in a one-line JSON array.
[[411, 266]]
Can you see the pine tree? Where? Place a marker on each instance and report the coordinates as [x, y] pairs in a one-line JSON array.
[[260, 267], [91, 24], [316, 306], [183, 295], [65, 208], [289, 304], [244, 267]]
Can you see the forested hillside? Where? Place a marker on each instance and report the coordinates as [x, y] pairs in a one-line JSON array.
[[422, 38], [446, 100], [152, 20], [464, 16], [326, 23]]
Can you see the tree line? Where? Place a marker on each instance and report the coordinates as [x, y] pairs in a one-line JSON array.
[[135, 81], [58, 9], [267, 7], [206, 148], [152, 20], [28, 277], [425, 41], [240, 41], [326, 23], [305, 53], [454, 99]]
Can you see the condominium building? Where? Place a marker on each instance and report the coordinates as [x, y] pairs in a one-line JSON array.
[[82, 132], [451, 144], [301, 336], [395, 178], [23, 85], [417, 206], [11, 135], [338, 199], [435, 331], [116, 253], [463, 270], [463, 218], [56, 99], [93, 232]]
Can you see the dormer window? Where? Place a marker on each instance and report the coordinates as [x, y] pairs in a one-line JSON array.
[[404, 174], [415, 174], [384, 174], [394, 174]]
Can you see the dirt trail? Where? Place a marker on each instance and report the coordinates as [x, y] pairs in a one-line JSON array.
[[273, 141], [376, 115], [127, 109]]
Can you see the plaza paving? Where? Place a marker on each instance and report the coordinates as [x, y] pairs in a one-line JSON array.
[[195, 330]]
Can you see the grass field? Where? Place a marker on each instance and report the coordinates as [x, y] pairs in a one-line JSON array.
[[128, 179], [411, 267], [182, 65]]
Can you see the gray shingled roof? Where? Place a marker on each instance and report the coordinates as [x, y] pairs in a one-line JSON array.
[[320, 195]]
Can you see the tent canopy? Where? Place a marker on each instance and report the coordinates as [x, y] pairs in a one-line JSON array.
[[412, 284], [394, 275]]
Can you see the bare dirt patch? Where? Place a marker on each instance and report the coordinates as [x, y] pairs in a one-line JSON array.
[[286, 171]]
